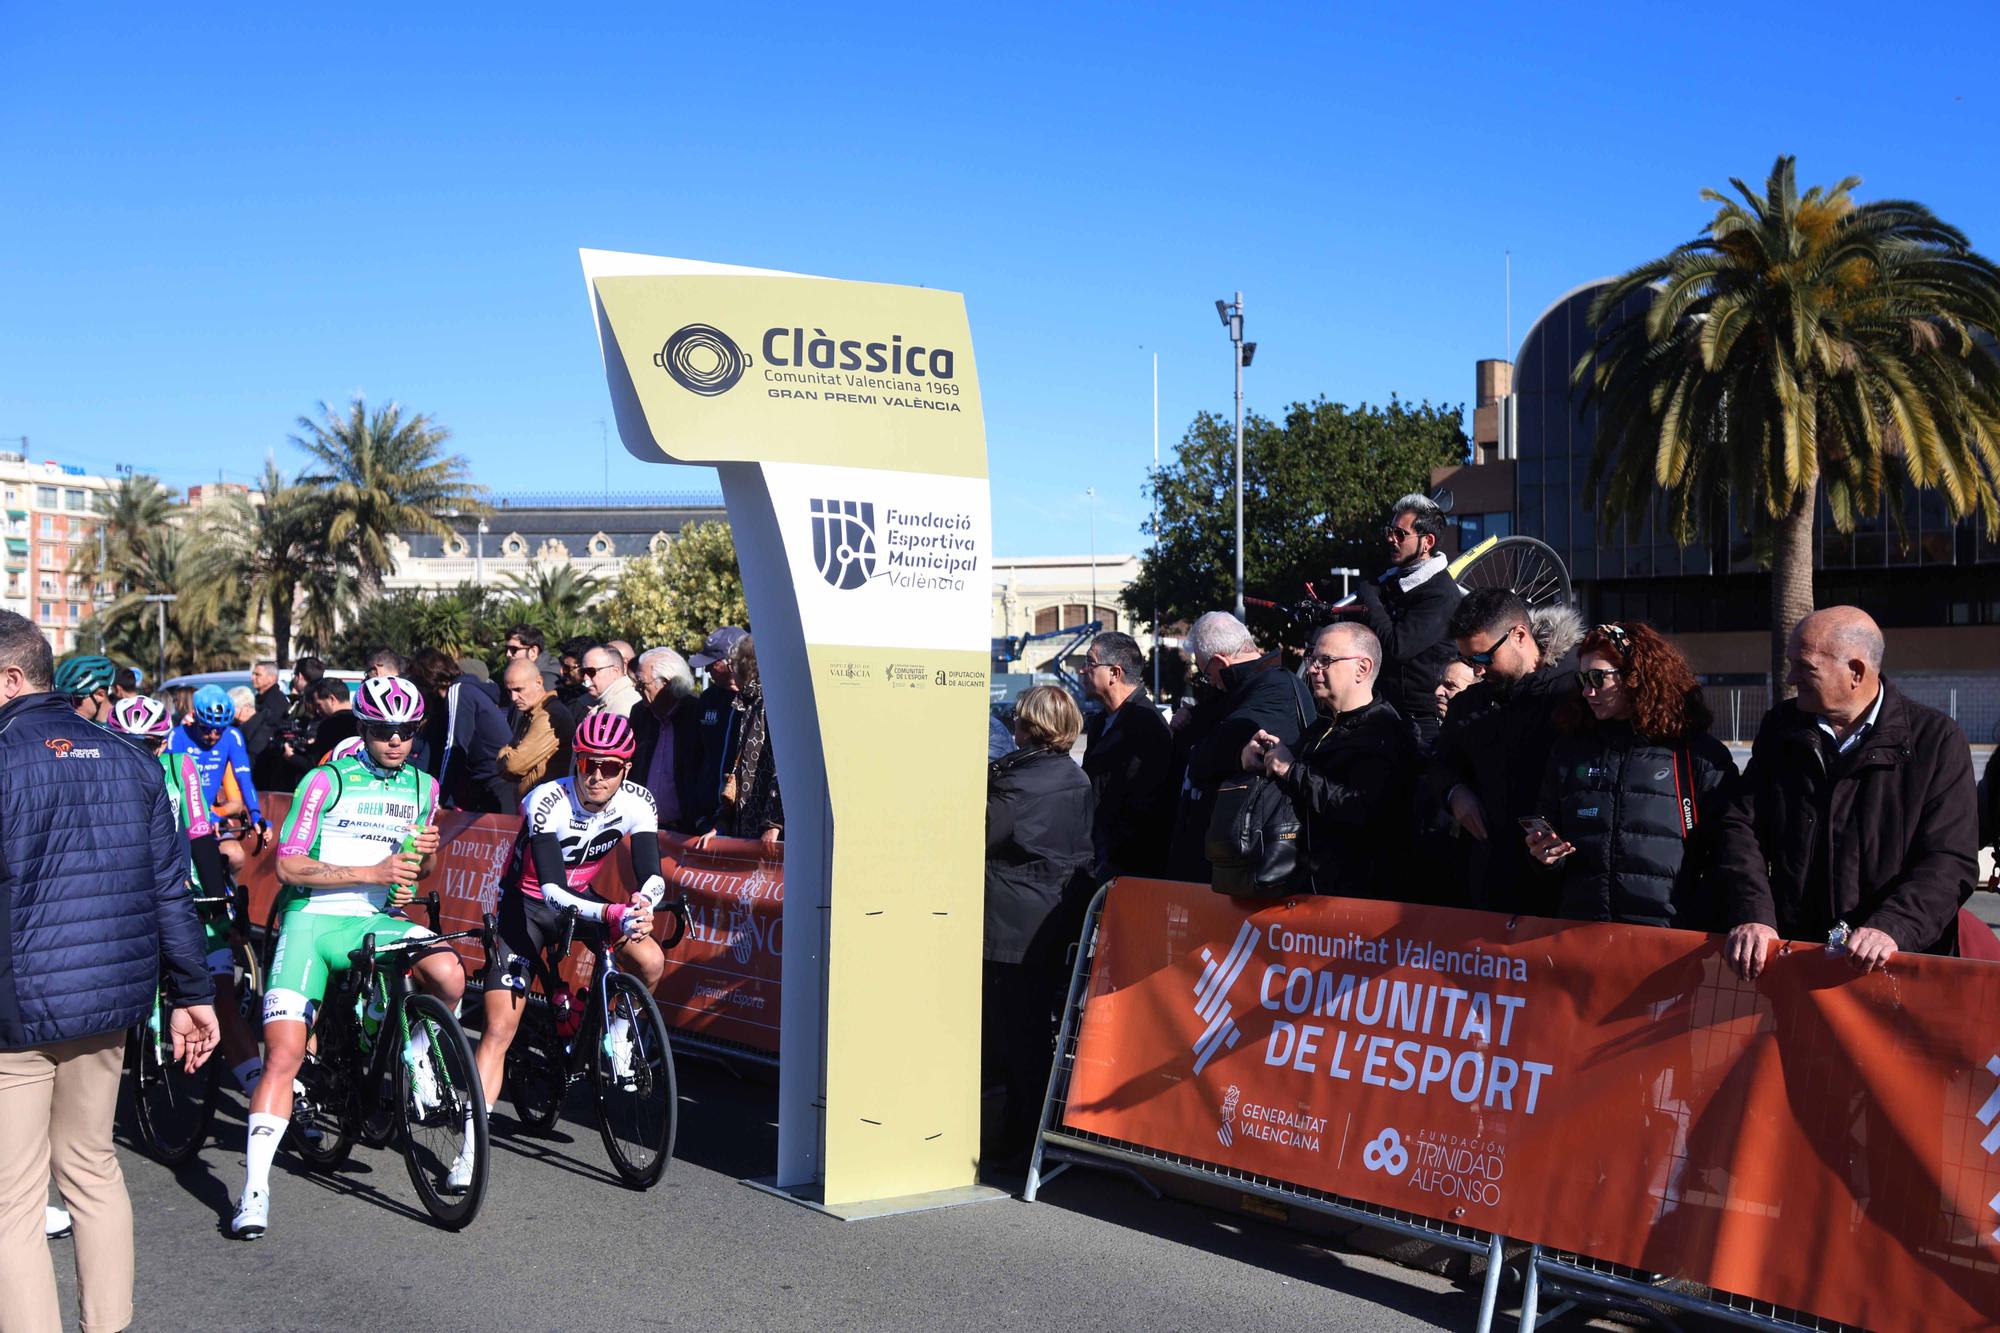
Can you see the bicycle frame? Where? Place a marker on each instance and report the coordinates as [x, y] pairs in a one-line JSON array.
[[597, 1018]]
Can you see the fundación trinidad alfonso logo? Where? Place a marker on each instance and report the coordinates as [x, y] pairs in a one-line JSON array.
[[702, 359], [843, 533], [1385, 1152]]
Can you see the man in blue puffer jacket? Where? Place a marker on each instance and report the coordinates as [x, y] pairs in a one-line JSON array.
[[94, 903]]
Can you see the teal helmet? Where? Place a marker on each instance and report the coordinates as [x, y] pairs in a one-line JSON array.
[[80, 677]]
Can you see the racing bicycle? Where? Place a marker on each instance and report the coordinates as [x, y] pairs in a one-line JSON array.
[[632, 1082], [171, 1108], [362, 1081]]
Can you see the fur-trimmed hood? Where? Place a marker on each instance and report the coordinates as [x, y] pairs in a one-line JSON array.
[[1557, 630]]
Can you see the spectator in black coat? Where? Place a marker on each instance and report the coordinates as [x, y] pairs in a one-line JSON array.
[[1495, 741], [1129, 763], [269, 714], [718, 718], [1354, 775], [672, 739], [464, 732], [1255, 695], [1038, 854], [1409, 607], [1856, 820], [1633, 788], [569, 673]]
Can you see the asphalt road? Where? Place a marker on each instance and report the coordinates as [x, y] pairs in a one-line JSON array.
[[561, 1245]]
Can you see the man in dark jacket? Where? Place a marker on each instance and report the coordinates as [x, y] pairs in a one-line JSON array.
[[1129, 763], [717, 718], [1409, 608], [1355, 774], [1856, 820], [1496, 738], [1256, 694], [93, 902], [272, 710], [464, 732], [668, 730]]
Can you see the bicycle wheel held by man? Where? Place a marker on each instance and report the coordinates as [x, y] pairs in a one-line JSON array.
[[95, 913]]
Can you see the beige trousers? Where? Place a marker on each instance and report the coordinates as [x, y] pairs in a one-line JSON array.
[[56, 1106]]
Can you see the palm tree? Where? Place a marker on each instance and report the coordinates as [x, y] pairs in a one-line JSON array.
[[128, 511], [1802, 346], [556, 600], [201, 636], [262, 551], [382, 475]]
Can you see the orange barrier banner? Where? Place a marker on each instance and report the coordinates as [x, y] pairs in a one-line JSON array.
[[1818, 1138], [722, 980]]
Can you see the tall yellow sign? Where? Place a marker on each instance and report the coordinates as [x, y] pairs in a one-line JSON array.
[[844, 420]]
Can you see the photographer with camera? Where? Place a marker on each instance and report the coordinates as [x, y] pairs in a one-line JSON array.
[[1409, 607]]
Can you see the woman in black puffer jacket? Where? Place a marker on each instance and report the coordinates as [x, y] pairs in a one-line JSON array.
[[1038, 856], [1633, 786]]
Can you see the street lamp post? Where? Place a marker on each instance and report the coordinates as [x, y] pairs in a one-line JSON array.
[[479, 555], [159, 601], [1156, 527], [1232, 319], [1091, 491]]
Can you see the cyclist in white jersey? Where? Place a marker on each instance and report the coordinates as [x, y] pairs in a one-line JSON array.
[[569, 829], [359, 835]]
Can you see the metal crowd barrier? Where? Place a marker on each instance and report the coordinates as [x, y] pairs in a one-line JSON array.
[[1572, 1280]]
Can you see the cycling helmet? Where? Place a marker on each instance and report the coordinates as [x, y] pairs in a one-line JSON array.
[[81, 676], [140, 716], [213, 707], [350, 746], [605, 734], [388, 699]]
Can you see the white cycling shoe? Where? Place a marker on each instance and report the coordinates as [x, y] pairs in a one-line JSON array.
[[460, 1179], [253, 1219], [55, 1222], [424, 1096]]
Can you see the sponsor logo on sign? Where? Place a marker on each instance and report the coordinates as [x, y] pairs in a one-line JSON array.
[[1211, 996], [702, 359], [1227, 1133], [843, 533], [1989, 1115], [1386, 1153]]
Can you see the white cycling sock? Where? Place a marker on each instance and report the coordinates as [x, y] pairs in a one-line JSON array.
[[248, 1072], [620, 1028], [265, 1131], [420, 1042]]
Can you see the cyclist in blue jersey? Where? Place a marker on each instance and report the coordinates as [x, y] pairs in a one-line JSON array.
[[216, 747]]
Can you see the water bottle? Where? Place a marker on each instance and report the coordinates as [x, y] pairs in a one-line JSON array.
[[371, 1009], [568, 1013]]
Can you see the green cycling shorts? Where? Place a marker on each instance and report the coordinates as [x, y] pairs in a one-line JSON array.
[[312, 946]]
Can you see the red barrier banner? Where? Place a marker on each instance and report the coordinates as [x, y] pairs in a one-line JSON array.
[[722, 980], [1818, 1138]]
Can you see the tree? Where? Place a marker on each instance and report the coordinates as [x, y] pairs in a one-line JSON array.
[[264, 550], [464, 620], [200, 637], [382, 475], [554, 600], [673, 598], [1803, 346], [1316, 491], [128, 511]]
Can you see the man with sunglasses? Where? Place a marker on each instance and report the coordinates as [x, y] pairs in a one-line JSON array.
[[1409, 608], [569, 829], [525, 643], [361, 832], [1495, 742]]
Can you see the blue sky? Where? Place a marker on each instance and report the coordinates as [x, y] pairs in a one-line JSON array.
[[214, 223]]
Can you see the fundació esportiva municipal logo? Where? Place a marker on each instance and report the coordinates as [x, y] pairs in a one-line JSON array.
[[702, 359], [844, 541]]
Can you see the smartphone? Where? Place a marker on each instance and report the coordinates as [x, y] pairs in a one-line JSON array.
[[1536, 824]]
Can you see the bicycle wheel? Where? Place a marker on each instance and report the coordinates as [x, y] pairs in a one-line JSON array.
[[1520, 564], [638, 1101], [171, 1108], [442, 1113], [324, 1120], [248, 982], [536, 1069]]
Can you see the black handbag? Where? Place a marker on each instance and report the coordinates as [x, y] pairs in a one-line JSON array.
[[1253, 837]]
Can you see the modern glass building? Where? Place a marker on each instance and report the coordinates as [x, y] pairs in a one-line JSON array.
[[1933, 573]]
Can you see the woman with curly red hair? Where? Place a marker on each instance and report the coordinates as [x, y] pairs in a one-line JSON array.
[[1632, 787]]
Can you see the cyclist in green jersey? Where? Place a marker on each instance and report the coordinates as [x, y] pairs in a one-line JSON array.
[[145, 723], [358, 837]]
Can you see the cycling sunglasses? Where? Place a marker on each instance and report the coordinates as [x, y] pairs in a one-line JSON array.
[[601, 768], [389, 731]]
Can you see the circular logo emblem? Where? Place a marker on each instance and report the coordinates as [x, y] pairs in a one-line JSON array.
[[702, 359]]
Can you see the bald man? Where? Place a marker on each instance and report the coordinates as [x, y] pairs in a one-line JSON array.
[[540, 727], [1855, 824]]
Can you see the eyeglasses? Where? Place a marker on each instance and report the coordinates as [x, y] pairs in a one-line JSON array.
[[1593, 678], [513, 648], [588, 672], [1398, 535], [1485, 658], [388, 731], [1099, 666], [1320, 661], [601, 768]]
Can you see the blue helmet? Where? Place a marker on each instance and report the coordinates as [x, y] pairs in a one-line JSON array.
[[213, 706]]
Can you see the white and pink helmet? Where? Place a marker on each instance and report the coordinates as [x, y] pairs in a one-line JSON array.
[[140, 716], [387, 699]]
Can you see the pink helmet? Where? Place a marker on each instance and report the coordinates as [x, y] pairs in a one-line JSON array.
[[388, 699], [606, 734]]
